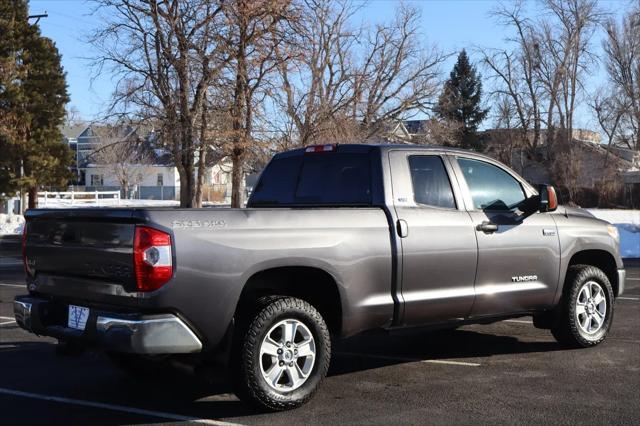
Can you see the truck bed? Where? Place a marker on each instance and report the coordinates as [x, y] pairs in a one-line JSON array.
[[87, 255]]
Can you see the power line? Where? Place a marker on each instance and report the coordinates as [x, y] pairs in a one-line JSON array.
[[38, 17]]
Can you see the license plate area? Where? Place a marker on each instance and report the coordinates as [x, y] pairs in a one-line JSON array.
[[77, 318]]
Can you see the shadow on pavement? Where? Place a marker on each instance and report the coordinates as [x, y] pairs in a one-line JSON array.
[[35, 367], [380, 351]]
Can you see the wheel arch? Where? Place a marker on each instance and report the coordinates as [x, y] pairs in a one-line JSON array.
[[599, 258], [312, 284]]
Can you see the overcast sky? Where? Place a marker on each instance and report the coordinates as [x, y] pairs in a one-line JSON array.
[[451, 24]]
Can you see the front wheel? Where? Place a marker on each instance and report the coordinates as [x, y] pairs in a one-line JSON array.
[[586, 312], [285, 354]]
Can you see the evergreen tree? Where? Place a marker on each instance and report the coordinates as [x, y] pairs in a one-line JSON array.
[[460, 101], [33, 95]]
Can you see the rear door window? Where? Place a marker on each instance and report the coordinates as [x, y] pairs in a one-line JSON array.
[[431, 185]]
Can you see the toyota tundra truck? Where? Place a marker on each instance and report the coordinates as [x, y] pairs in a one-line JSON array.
[[335, 240]]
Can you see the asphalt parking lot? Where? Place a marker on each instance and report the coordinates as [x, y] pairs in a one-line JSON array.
[[505, 373]]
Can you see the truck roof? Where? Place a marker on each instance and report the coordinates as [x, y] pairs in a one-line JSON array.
[[366, 147]]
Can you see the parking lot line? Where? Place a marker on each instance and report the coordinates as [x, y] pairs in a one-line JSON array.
[[13, 285], [633, 279], [7, 322], [113, 407], [444, 361], [520, 321], [629, 298], [404, 359]]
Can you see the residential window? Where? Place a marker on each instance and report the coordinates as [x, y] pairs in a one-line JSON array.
[[160, 179], [431, 186], [97, 180]]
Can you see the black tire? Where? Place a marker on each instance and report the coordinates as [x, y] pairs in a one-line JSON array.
[[565, 327], [250, 385]]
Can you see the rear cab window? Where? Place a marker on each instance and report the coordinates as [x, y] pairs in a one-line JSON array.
[[342, 177]]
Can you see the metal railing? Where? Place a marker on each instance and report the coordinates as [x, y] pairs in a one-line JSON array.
[[71, 198]]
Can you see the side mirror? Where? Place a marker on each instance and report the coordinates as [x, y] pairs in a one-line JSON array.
[[548, 198]]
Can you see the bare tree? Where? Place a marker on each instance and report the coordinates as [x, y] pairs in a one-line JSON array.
[[508, 139], [73, 117], [565, 55], [122, 155], [622, 62], [214, 131], [318, 84], [165, 55], [443, 132], [349, 84], [608, 113], [398, 75], [517, 87], [256, 29]]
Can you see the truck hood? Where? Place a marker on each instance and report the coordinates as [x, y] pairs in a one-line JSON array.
[[575, 211]]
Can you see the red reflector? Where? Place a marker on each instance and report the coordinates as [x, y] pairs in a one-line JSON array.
[[24, 250], [152, 258], [320, 148], [553, 198]]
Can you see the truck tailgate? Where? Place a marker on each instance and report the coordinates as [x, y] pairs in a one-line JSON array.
[[87, 251]]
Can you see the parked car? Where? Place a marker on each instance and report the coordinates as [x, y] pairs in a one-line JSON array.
[[335, 240]]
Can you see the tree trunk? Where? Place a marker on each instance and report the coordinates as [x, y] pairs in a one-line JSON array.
[[187, 196], [33, 197], [202, 157], [237, 177]]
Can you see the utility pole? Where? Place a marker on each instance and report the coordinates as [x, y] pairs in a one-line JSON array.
[[38, 17], [23, 195]]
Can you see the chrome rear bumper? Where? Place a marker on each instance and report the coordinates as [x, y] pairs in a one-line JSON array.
[[160, 334], [143, 334]]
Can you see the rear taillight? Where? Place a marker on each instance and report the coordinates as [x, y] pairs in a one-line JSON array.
[[24, 250], [320, 148], [152, 258]]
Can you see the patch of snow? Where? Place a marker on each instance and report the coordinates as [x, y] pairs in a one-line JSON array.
[[63, 203], [11, 224], [628, 224]]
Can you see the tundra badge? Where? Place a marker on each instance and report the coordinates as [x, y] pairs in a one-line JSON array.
[[524, 278]]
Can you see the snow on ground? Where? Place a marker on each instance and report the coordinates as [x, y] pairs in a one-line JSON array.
[[628, 224], [65, 203], [11, 224]]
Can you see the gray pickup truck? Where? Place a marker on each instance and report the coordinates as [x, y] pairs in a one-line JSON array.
[[335, 240]]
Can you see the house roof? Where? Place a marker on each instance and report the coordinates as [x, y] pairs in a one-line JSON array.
[[108, 131], [72, 132]]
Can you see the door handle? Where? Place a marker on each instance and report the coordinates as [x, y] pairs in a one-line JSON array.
[[487, 227], [402, 228]]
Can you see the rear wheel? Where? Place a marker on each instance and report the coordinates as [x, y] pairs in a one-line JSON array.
[[586, 312], [284, 355]]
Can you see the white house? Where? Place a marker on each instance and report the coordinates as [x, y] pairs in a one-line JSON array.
[[155, 178]]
